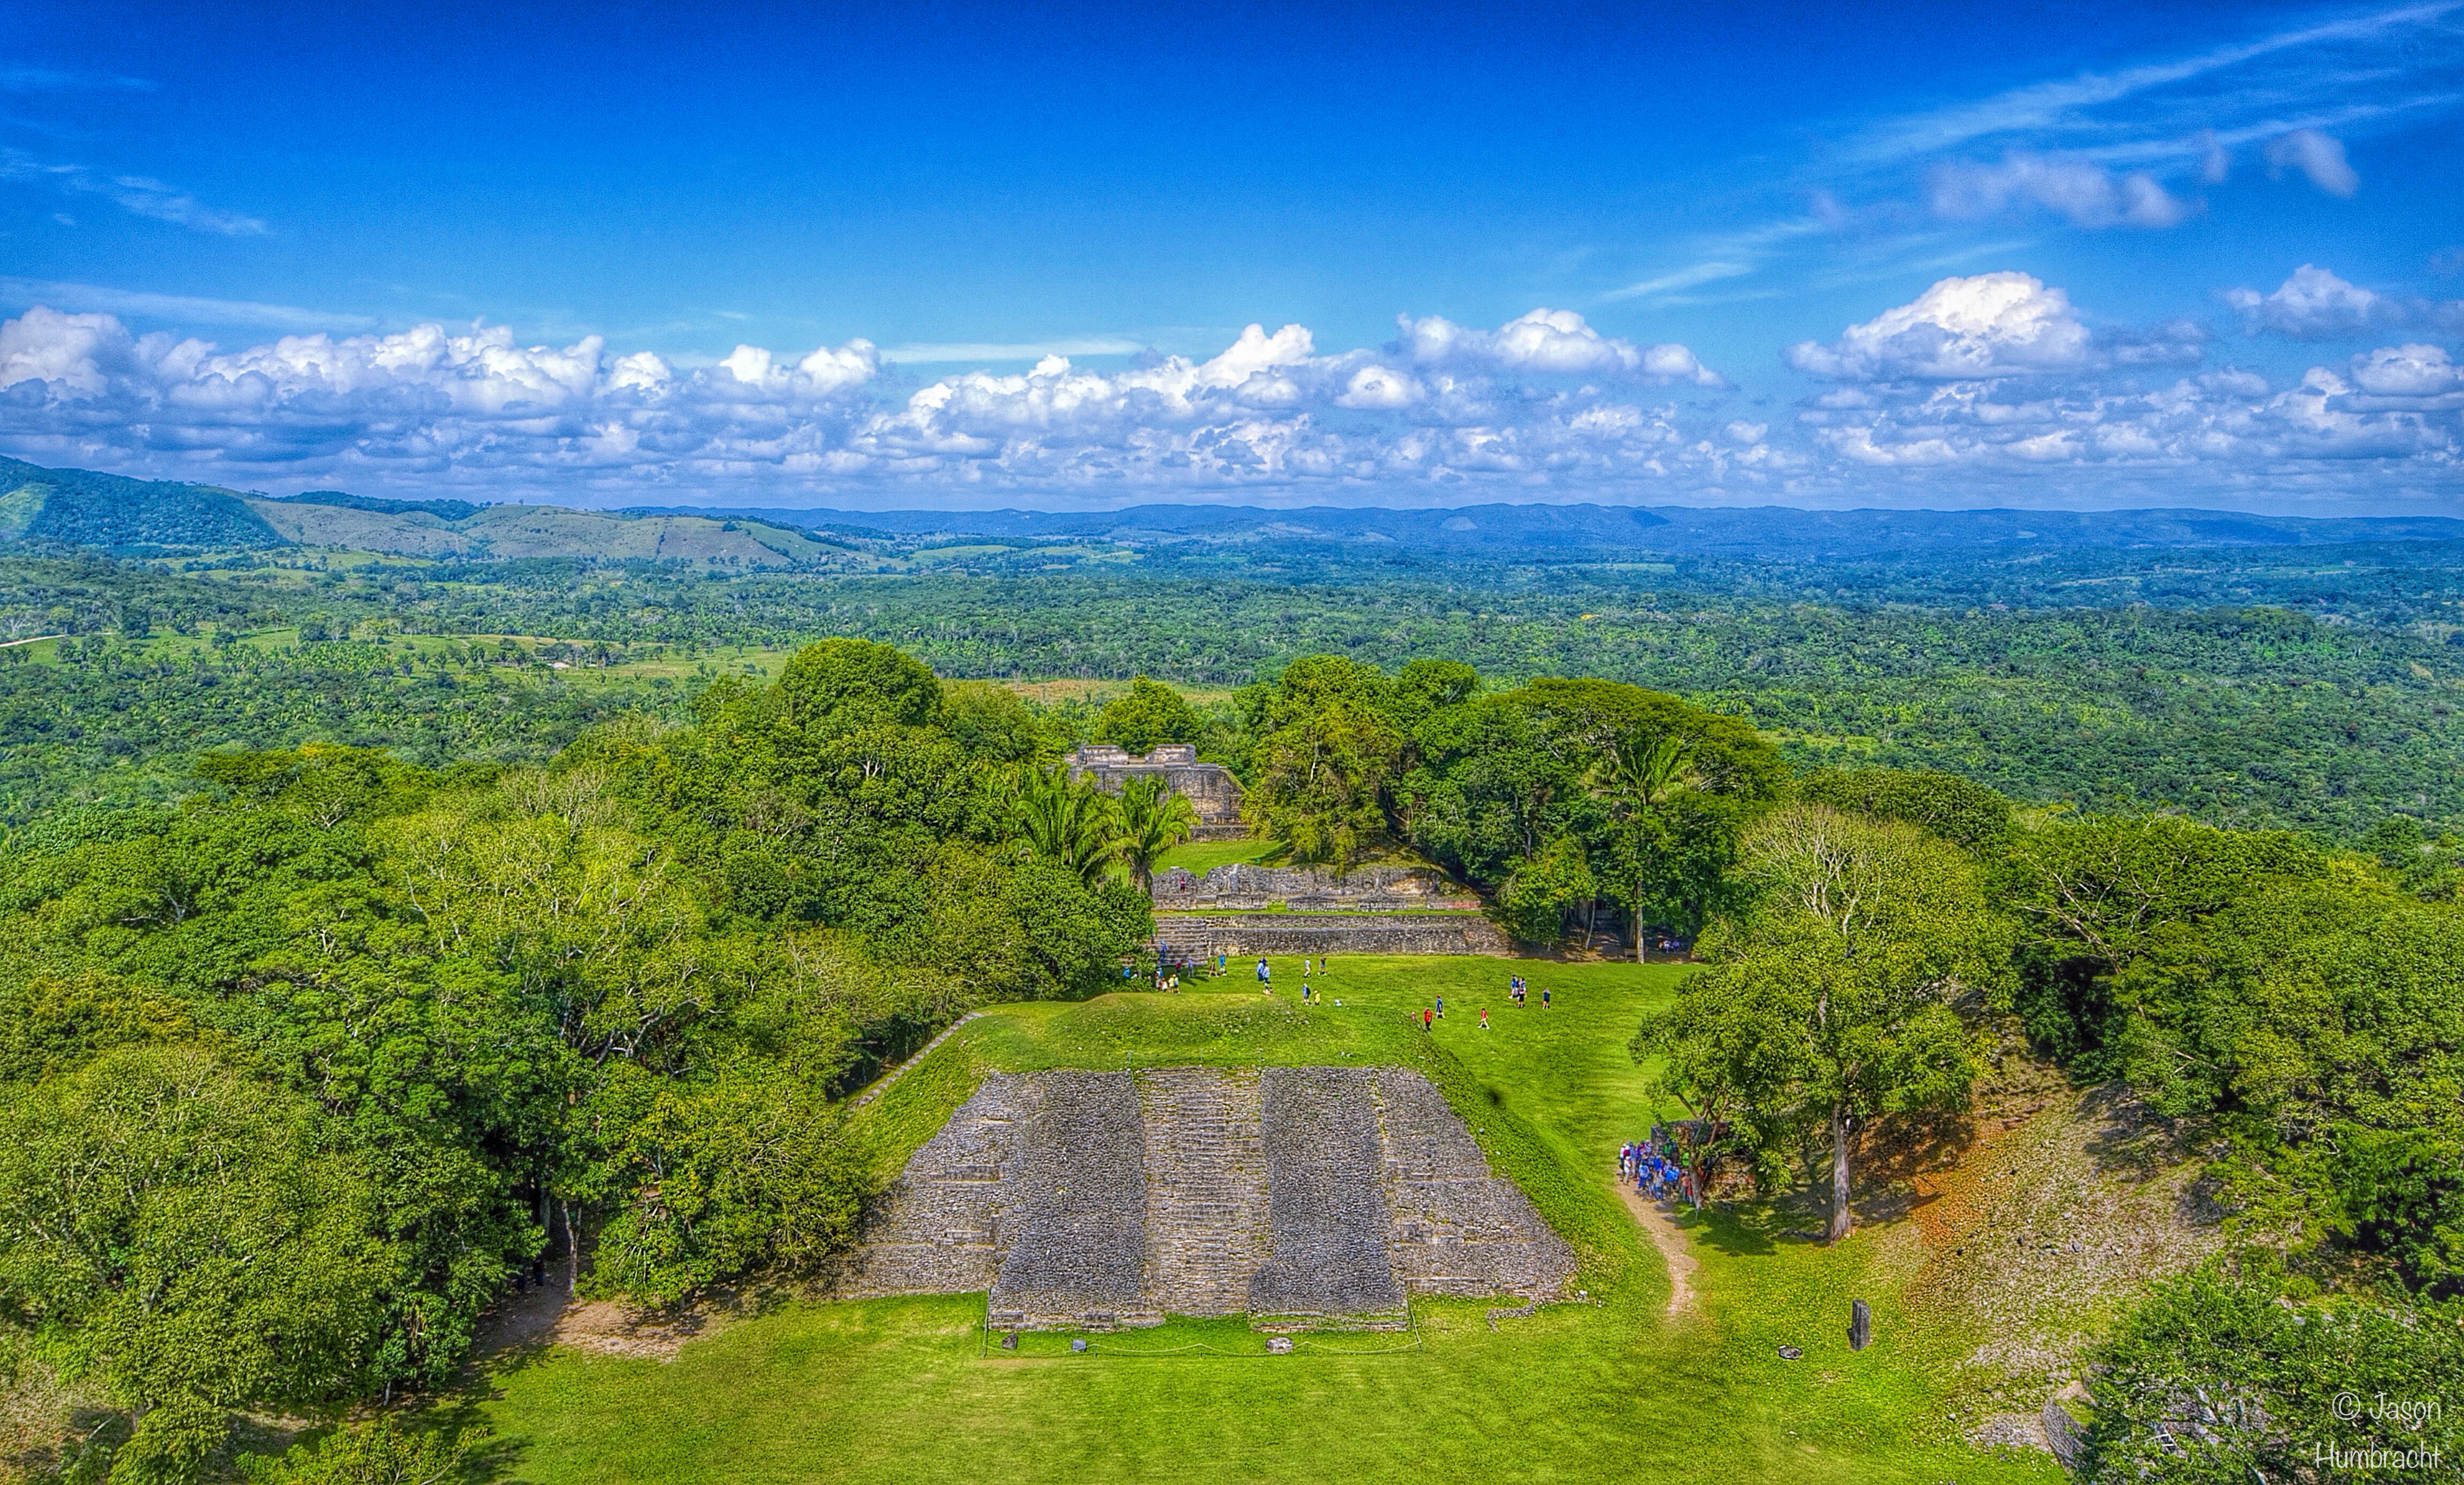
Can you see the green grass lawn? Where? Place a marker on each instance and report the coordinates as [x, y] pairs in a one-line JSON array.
[[1205, 856], [1613, 1389]]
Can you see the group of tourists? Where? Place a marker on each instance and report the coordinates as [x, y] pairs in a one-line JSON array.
[[1312, 992], [1519, 990], [1653, 1167]]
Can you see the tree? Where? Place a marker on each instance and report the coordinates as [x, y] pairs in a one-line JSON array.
[[835, 685], [1325, 751], [1673, 784], [1152, 819], [174, 1229], [1066, 822], [1149, 713], [742, 1173], [1960, 810], [1834, 996], [376, 1452], [990, 722], [1533, 903]]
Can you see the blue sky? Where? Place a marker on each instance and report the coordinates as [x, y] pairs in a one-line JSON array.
[[2069, 255]]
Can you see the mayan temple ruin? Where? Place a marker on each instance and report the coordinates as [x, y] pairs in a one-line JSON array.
[[1209, 787], [1302, 1197]]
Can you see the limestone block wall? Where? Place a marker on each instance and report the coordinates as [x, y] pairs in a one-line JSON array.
[[1201, 936], [1300, 1196], [1244, 886]]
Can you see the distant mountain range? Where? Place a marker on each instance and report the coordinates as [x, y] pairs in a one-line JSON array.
[[1766, 532], [52, 510]]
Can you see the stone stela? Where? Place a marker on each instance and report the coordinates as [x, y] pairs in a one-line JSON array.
[[1210, 788]]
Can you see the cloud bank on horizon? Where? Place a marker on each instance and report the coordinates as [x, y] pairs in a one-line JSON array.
[[2076, 289], [1991, 382]]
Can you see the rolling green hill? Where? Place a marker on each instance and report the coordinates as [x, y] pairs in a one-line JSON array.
[[79, 508], [505, 531]]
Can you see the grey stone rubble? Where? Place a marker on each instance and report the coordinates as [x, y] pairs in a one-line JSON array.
[[1326, 1202], [1304, 1197], [1075, 1249], [1457, 1227]]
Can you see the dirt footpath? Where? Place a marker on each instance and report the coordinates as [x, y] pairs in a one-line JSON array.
[[1670, 1239]]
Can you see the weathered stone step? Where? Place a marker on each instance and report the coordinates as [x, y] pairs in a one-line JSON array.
[[1206, 1184]]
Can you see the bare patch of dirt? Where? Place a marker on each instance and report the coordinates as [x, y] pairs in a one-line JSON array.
[[546, 1316], [2043, 1233]]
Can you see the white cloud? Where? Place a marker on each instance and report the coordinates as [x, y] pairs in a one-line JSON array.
[[2407, 35], [23, 292], [928, 354], [1989, 325], [2219, 430], [1700, 273], [137, 193], [1380, 386], [2314, 304], [436, 408], [1547, 341], [1943, 401], [2086, 194], [2408, 371], [2318, 156]]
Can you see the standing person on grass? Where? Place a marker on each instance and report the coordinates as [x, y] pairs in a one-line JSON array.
[[1544, 997]]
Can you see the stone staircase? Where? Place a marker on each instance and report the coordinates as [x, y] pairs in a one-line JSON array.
[[1206, 1187]]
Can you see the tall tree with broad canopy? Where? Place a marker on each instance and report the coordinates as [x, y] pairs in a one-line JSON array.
[[171, 1228], [1325, 751], [1835, 995], [1149, 713], [1673, 784]]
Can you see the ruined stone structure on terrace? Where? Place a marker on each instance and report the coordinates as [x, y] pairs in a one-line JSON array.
[[1210, 788], [1244, 909], [1304, 1197]]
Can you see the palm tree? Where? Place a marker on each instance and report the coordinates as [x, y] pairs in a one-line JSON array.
[[1152, 821], [1634, 775], [1063, 820]]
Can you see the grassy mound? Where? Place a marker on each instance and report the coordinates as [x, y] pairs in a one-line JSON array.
[[906, 1390]]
